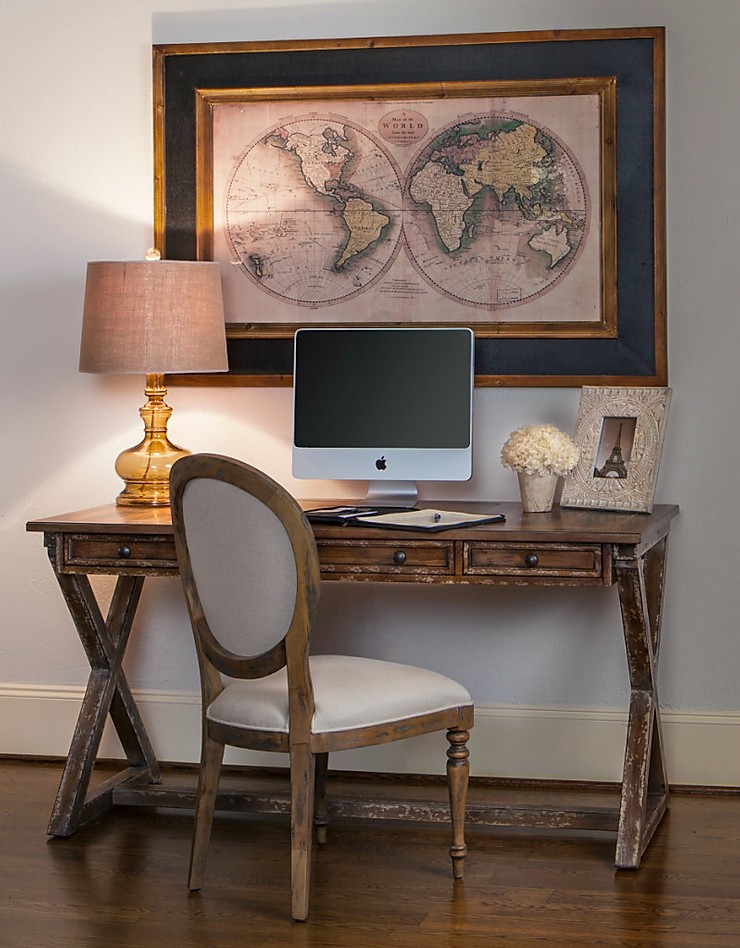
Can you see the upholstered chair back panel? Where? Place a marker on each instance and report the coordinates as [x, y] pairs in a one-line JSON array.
[[243, 566]]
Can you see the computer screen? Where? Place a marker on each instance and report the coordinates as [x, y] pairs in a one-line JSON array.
[[389, 405]]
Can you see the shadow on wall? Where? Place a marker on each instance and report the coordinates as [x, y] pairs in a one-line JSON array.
[[67, 428], [55, 412]]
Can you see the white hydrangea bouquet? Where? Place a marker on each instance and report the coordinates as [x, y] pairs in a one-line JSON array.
[[539, 454], [540, 449]]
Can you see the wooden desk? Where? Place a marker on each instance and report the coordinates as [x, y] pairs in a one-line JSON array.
[[562, 548]]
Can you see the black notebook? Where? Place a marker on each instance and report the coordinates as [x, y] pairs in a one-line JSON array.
[[348, 513], [401, 518]]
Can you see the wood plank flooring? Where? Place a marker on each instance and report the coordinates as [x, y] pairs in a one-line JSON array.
[[120, 883]]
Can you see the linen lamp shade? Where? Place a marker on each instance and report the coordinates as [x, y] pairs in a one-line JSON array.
[[153, 316]]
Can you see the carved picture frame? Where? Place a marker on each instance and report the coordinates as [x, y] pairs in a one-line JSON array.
[[619, 432]]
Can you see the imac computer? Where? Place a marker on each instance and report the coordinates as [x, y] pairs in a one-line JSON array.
[[392, 406]]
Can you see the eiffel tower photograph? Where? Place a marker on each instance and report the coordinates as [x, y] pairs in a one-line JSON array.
[[615, 447]]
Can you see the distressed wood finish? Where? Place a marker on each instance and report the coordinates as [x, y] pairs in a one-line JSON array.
[[593, 817], [641, 583], [107, 693], [573, 547]]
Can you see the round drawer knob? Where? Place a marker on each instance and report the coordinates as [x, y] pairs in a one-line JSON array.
[[531, 560], [399, 557], [124, 552]]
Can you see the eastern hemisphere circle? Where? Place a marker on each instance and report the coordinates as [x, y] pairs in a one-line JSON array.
[[496, 210]]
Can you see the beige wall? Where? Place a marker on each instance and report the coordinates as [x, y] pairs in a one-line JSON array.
[[75, 185]]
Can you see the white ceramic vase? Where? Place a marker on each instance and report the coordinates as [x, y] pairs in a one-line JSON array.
[[538, 491]]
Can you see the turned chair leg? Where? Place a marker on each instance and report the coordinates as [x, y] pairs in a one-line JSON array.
[[458, 771]]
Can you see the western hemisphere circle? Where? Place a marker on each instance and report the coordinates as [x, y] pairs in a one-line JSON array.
[[312, 210]]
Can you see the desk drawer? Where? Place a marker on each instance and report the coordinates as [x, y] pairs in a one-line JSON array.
[[529, 561], [119, 552], [386, 557]]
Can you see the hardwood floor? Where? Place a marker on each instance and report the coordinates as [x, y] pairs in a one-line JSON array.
[[120, 883]]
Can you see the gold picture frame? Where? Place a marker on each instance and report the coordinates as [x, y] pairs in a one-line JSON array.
[[611, 333], [620, 433]]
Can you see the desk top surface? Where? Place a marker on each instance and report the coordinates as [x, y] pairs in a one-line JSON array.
[[560, 524]]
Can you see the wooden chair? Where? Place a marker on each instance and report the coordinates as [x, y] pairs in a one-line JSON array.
[[250, 570]]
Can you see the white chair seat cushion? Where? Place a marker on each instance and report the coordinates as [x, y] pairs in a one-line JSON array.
[[349, 692]]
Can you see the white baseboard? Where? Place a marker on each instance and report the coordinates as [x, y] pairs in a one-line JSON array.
[[534, 743]]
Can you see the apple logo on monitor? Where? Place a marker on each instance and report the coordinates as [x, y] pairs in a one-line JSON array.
[[381, 464]]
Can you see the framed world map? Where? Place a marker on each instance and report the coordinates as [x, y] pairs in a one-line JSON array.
[[494, 201]]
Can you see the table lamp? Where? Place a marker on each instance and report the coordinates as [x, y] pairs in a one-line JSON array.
[[152, 317]]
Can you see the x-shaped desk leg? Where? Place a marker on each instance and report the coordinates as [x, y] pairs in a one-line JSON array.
[[644, 785], [107, 692]]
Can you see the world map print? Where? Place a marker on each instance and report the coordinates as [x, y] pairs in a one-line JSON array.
[[358, 218]]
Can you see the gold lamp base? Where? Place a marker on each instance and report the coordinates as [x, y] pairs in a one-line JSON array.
[[145, 469]]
